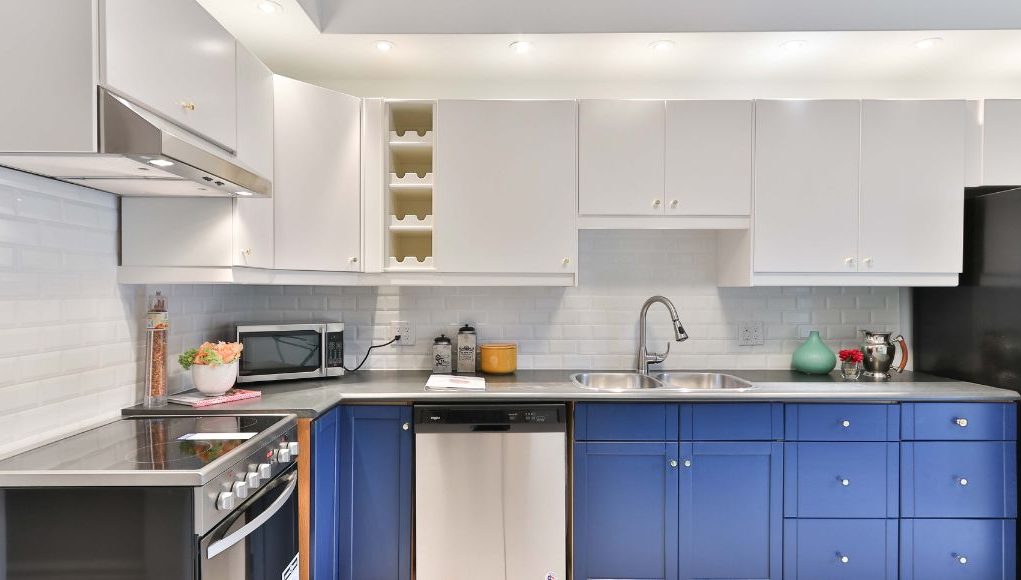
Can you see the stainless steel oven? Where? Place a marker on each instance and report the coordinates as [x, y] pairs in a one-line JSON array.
[[275, 352]]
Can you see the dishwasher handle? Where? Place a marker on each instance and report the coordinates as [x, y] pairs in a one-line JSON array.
[[490, 428]]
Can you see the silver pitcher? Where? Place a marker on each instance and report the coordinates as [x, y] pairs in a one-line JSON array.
[[879, 349]]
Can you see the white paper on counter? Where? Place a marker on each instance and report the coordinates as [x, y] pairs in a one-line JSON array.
[[455, 383]]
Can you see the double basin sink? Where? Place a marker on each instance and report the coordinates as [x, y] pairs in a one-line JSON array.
[[674, 381]]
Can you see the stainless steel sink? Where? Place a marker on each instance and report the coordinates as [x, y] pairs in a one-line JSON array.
[[615, 382], [681, 381]]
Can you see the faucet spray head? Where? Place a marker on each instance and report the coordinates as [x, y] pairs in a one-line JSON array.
[[679, 333]]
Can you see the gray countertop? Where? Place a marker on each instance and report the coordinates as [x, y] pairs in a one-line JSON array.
[[310, 398]]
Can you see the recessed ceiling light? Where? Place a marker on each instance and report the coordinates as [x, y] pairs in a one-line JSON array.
[[269, 7], [662, 45], [160, 162], [927, 43], [245, 193], [384, 45], [521, 46], [794, 45]]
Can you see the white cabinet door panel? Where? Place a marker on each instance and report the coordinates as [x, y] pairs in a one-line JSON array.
[[708, 158], [506, 190], [1001, 147], [806, 186], [176, 59], [620, 157], [317, 179], [912, 186], [254, 217]]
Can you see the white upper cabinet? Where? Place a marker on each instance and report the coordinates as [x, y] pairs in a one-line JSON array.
[[912, 186], [317, 179], [254, 217], [1001, 142], [506, 190], [620, 157], [708, 158], [175, 59], [806, 186]]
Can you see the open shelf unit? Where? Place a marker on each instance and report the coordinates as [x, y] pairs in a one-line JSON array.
[[409, 199]]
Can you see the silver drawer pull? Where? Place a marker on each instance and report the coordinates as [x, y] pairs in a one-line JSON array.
[[687, 463], [844, 481], [961, 559], [961, 422], [842, 558], [963, 481], [673, 463], [845, 423]]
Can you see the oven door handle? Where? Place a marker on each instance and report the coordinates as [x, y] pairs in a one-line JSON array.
[[222, 545]]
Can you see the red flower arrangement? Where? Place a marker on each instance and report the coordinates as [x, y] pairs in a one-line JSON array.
[[851, 355]]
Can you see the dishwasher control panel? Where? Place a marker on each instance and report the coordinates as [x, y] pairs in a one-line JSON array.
[[492, 418]]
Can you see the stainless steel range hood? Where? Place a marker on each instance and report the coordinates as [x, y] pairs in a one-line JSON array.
[[140, 153]]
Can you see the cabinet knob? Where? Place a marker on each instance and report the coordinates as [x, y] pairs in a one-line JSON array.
[[673, 463], [845, 423], [353, 259], [565, 261], [961, 422], [247, 251], [843, 558], [849, 261], [188, 105], [406, 426], [844, 481], [962, 481], [867, 262], [657, 202], [674, 203], [961, 559], [687, 463]]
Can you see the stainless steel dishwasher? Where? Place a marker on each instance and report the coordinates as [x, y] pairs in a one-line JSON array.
[[491, 492]]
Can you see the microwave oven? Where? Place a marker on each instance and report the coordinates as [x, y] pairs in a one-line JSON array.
[[277, 352]]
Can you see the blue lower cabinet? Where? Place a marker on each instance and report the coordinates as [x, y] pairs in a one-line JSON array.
[[959, 479], [731, 422], [730, 510], [325, 487], [965, 549], [825, 549], [959, 421], [625, 511], [375, 493], [841, 480], [842, 422], [625, 422]]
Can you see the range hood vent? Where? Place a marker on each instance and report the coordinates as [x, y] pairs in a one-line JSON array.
[[140, 153]]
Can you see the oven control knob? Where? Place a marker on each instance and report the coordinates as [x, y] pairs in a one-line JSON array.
[[252, 479], [225, 501], [293, 448], [240, 489], [283, 455], [265, 471]]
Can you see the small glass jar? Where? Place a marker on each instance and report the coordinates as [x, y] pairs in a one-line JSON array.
[[850, 370]]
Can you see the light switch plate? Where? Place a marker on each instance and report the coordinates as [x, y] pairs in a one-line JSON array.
[[750, 334], [405, 329]]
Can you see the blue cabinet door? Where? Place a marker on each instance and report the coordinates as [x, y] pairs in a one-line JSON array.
[[375, 492], [842, 422], [731, 422], [625, 422], [841, 480], [730, 510], [840, 549], [959, 421], [958, 549], [959, 479], [325, 494], [625, 511]]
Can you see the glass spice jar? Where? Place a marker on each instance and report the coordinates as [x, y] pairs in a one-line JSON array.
[[157, 326]]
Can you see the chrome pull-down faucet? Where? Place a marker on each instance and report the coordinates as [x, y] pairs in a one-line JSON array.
[[644, 358]]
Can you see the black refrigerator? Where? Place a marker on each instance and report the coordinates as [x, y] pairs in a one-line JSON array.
[[972, 332]]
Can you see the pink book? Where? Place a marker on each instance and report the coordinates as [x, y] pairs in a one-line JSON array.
[[197, 399]]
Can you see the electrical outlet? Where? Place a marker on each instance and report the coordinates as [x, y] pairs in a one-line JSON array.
[[405, 329], [750, 334]]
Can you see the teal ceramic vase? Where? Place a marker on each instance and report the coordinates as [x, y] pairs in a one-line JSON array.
[[814, 357]]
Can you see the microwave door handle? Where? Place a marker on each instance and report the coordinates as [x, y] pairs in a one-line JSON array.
[[324, 339], [222, 545]]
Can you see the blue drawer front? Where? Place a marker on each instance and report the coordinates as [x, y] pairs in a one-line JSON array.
[[625, 511], [932, 549], [959, 479], [841, 480], [625, 422], [817, 550], [808, 422], [959, 421], [732, 422]]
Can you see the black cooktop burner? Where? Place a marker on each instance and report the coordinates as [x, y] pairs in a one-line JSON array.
[[146, 444]]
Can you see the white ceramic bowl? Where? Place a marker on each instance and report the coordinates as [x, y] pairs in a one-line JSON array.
[[214, 381]]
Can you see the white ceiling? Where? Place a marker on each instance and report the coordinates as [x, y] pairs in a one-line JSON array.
[[726, 65]]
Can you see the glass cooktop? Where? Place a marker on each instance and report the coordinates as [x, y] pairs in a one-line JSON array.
[[145, 444]]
